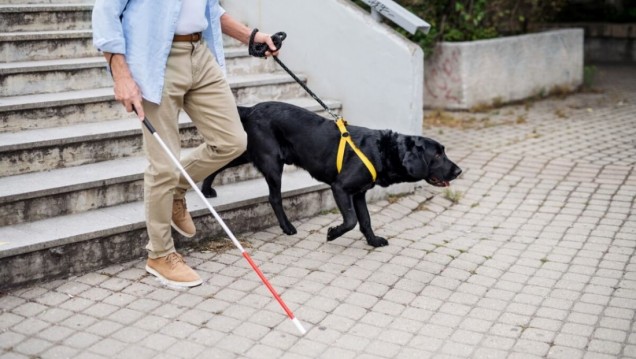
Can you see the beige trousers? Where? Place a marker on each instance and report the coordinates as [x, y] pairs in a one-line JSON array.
[[195, 83]]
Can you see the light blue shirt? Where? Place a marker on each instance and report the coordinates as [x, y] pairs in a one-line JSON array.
[[142, 30]]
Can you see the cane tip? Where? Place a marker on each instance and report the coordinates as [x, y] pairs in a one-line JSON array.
[[299, 326]]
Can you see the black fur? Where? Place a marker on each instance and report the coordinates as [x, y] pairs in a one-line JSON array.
[[280, 133]]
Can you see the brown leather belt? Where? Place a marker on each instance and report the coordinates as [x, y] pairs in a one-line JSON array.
[[187, 38]]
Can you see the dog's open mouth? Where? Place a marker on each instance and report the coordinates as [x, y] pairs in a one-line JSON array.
[[434, 181]]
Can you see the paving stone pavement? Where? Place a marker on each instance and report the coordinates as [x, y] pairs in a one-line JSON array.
[[534, 258]]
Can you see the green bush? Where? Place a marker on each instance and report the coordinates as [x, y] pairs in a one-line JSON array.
[[470, 20]]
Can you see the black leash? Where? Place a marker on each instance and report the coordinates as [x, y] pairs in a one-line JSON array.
[[258, 49], [302, 84]]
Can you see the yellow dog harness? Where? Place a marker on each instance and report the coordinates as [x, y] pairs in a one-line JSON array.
[[345, 138]]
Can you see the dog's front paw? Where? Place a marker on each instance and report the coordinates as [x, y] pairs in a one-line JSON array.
[[332, 233], [377, 242], [288, 229]]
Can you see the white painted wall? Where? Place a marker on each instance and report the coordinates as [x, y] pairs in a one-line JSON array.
[[347, 56]]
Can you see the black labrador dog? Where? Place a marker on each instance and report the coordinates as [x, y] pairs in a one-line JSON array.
[[280, 133]]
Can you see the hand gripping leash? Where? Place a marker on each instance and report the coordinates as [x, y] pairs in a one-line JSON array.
[[238, 245]]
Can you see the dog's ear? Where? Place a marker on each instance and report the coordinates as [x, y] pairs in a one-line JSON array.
[[414, 158]]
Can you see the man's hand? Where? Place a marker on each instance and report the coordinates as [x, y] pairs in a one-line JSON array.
[[267, 39], [126, 90], [264, 49], [242, 33]]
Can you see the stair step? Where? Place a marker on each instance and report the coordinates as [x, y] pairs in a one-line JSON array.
[[43, 17], [48, 110], [51, 65], [76, 243], [78, 144], [52, 76], [45, 2], [58, 136], [74, 145], [46, 45], [16, 103], [38, 195], [239, 63]]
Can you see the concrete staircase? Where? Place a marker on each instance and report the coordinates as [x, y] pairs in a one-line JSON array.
[[71, 163]]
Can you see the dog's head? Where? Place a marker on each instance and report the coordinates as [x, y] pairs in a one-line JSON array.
[[424, 158]]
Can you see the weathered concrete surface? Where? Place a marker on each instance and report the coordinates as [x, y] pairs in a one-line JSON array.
[[464, 75], [536, 260]]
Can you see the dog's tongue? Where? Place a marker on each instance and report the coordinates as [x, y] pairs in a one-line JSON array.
[[446, 184]]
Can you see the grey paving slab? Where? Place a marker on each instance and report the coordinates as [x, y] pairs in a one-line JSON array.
[[535, 260]]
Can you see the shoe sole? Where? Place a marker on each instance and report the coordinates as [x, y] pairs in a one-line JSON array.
[[171, 282], [181, 232]]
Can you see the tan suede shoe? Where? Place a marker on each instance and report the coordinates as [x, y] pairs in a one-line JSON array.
[[172, 269], [181, 219]]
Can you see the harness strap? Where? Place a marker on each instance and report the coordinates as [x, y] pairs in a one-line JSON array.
[[345, 138]]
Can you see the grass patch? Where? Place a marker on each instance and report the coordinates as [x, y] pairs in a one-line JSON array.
[[453, 196], [560, 113], [560, 91], [534, 134], [331, 211], [219, 245], [442, 118], [521, 120], [589, 75], [421, 207], [393, 198]]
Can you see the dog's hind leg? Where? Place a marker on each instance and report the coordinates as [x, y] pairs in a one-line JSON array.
[[362, 212], [206, 186], [344, 203], [273, 173]]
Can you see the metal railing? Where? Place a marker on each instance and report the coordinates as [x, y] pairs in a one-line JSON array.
[[398, 15]]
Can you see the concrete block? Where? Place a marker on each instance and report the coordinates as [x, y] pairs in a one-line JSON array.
[[465, 75]]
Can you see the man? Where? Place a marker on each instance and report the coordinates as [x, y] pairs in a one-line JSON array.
[[164, 56]]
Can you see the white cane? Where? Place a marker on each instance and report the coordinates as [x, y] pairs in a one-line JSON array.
[[238, 245]]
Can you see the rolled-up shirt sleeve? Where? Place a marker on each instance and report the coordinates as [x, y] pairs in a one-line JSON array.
[[108, 34]]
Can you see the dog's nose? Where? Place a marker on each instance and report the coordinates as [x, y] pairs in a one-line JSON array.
[[457, 172]]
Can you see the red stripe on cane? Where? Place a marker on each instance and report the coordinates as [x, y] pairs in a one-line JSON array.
[[269, 286]]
